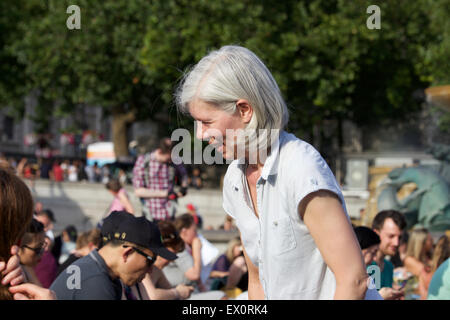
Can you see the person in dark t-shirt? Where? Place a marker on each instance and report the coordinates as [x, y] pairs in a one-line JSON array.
[[131, 245]]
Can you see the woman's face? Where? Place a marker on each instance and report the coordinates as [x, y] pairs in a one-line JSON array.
[[369, 254], [188, 234], [31, 254], [212, 125]]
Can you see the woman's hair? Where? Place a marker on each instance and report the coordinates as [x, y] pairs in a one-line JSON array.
[[231, 73], [170, 237], [184, 221], [231, 244], [113, 185], [92, 236], [366, 237], [441, 252], [16, 211], [34, 228], [416, 242]]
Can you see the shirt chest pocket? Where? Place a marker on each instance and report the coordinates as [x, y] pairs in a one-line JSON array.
[[283, 239]]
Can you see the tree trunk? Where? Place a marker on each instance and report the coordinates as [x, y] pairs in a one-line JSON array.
[[119, 131]]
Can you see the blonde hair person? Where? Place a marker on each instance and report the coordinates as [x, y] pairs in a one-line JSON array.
[[418, 259], [234, 246], [441, 252], [230, 265], [286, 204], [419, 251]]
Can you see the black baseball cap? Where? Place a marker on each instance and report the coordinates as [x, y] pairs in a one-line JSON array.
[[121, 225], [366, 237]]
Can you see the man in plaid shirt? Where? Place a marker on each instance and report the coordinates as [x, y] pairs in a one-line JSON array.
[[154, 178]]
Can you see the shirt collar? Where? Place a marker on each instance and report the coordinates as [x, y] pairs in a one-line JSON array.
[[270, 166]]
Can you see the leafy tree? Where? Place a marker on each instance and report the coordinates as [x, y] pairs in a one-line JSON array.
[[96, 65], [328, 64], [129, 56]]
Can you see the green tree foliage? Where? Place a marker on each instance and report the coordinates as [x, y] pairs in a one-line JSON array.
[[129, 55], [96, 65], [328, 64]]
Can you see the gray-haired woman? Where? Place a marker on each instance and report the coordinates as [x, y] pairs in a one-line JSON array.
[[298, 239]]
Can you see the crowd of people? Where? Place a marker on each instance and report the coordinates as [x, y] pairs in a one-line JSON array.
[[296, 239], [406, 260], [60, 170], [44, 257], [77, 170]]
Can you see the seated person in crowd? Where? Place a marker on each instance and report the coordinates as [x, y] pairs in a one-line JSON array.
[[69, 238], [46, 269], [86, 242], [369, 242], [121, 200], [130, 247], [31, 249], [418, 258], [230, 269], [155, 285], [187, 268]]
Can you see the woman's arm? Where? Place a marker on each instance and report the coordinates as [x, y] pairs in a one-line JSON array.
[[148, 193], [125, 202], [193, 273], [159, 279], [414, 266], [332, 232], [167, 293], [218, 274]]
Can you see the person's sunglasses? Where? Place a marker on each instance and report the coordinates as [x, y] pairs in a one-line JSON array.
[[39, 251], [150, 260]]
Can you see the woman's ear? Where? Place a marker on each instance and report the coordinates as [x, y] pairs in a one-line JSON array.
[[245, 110]]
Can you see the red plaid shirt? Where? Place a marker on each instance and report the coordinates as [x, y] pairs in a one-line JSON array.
[[151, 174]]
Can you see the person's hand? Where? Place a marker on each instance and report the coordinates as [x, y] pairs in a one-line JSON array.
[[184, 291], [29, 291], [391, 294], [11, 271]]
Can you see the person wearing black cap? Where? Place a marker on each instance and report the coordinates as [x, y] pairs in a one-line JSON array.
[[130, 247], [368, 241]]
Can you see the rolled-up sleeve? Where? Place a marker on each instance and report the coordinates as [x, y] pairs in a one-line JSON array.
[[311, 174]]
